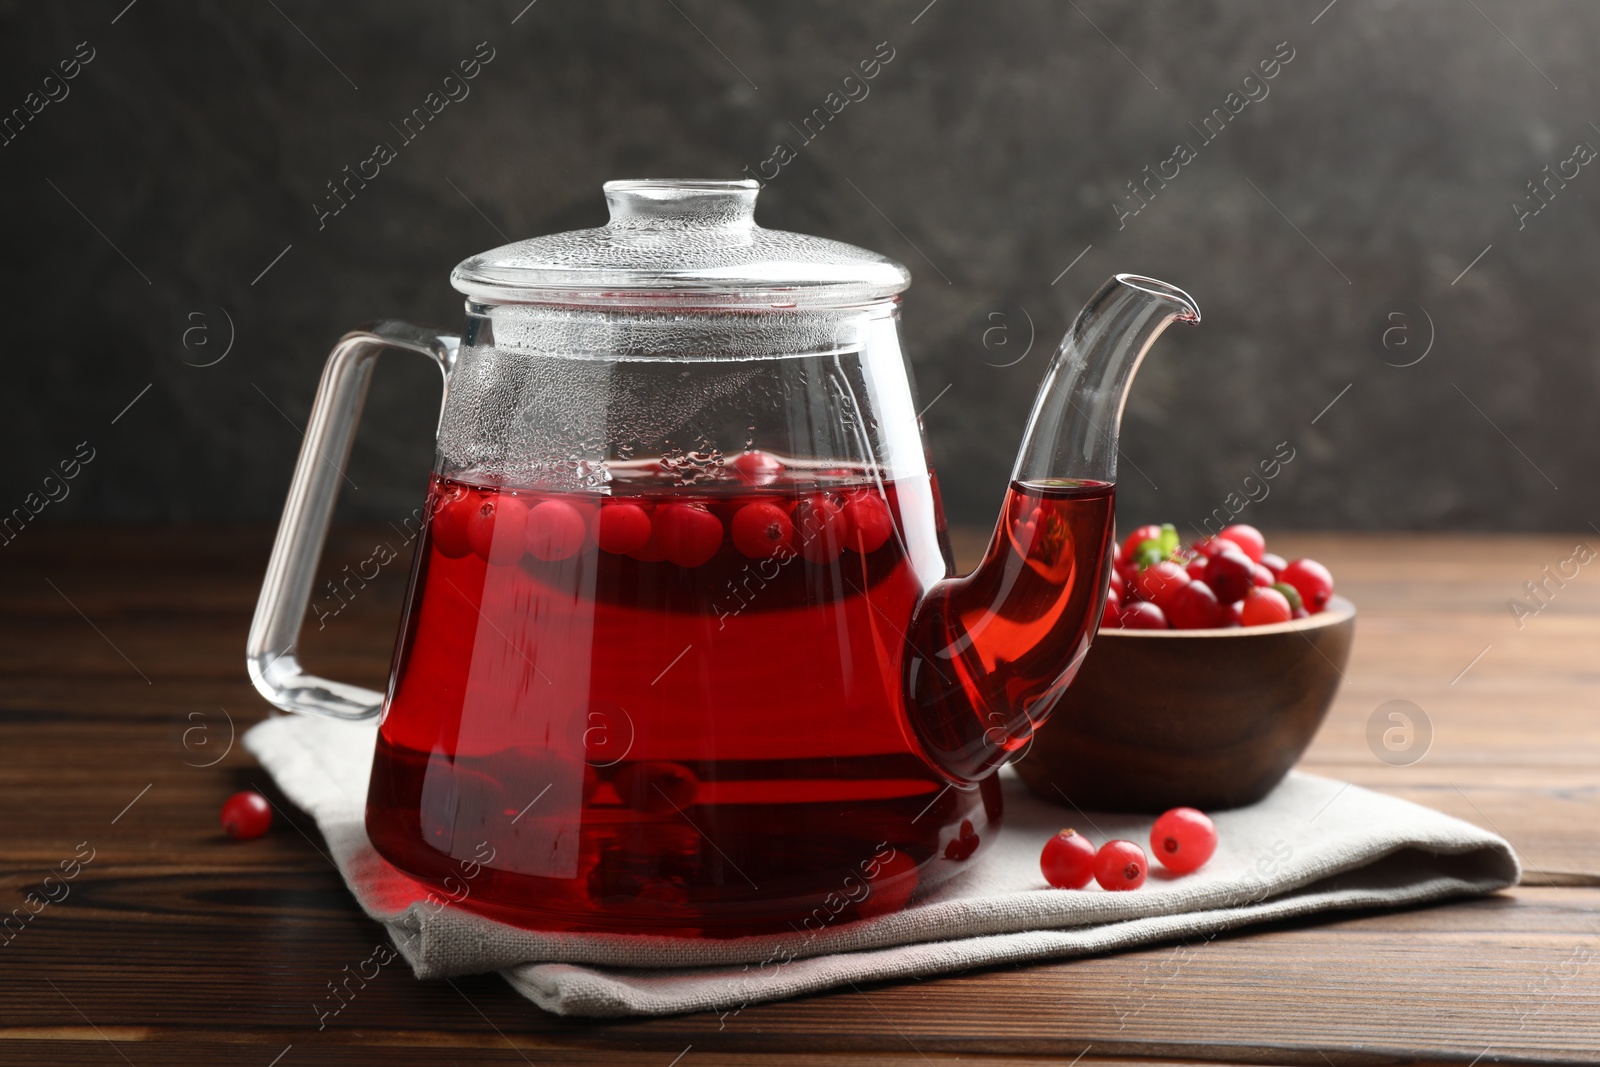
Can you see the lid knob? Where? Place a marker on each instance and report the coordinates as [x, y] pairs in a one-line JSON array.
[[654, 203]]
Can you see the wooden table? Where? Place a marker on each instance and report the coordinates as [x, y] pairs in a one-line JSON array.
[[121, 654]]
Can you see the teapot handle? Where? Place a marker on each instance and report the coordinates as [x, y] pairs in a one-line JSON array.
[[272, 649]]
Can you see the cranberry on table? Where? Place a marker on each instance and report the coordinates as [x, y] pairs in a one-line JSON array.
[[1067, 860], [621, 527], [761, 530], [1263, 607], [554, 530], [1120, 865], [1228, 573], [1194, 607], [246, 815], [1313, 581], [496, 527], [1157, 582], [1248, 538], [869, 524], [1183, 839], [688, 533], [1273, 562], [1142, 615]]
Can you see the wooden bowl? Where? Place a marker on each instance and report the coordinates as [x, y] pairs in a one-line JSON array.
[[1206, 718]]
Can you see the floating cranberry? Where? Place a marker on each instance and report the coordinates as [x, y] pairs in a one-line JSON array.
[[246, 815], [656, 786], [1194, 607], [1142, 615], [1273, 563], [1228, 575], [1145, 533], [1263, 607], [870, 525], [762, 530], [1247, 538], [1120, 865], [1157, 582], [688, 533], [1183, 839], [820, 528], [1067, 860], [1313, 581], [756, 467], [554, 530], [496, 527], [452, 509], [621, 527]]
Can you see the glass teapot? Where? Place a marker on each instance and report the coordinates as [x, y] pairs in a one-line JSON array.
[[684, 650]]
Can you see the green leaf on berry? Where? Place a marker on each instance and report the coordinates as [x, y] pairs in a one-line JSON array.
[[1169, 540]]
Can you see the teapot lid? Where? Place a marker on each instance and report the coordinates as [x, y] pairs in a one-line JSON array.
[[680, 241]]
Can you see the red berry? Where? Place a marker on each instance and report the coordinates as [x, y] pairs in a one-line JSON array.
[[1111, 617], [1157, 582], [1247, 538], [1120, 865], [554, 530], [451, 510], [688, 533], [1118, 586], [1263, 607], [1135, 539], [1194, 607], [1210, 546], [1260, 576], [1230, 614], [1313, 581], [1183, 839], [756, 467], [246, 815], [761, 530], [820, 528], [1130, 576], [1301, 613], [1067, 860], [1197, 567], [1228, 575], [1273, 563], [869, 527], [496, 526], [621, 527], [890, 887], [1142, 615]]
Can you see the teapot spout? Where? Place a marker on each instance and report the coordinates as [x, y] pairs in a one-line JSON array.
[[990, 654]]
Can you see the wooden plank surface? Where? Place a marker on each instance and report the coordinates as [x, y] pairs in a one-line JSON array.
[[121, 669]]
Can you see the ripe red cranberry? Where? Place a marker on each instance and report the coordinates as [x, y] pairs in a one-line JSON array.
[[1067, 860], [1209, 546], [688, 533], [1148, 532], [1247, 538], [246, 815], [1197, 567], [1130, 577], [1260, 576], [1231, 614], [554, 530], [1118, 585], [1312, 579], [1228, 575], [1263, 607], [1120, 865], [869, 523], [1274, 563], [621, 527], [1157, 582], [820, 528], [1142, 615], [1183, 839], [497, 526], [452, 508], [761, 530], [757, 467], [1194, 607]]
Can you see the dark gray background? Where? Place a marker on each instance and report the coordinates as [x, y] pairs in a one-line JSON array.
[[987, 157]]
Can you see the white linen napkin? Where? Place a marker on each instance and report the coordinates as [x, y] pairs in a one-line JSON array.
[[1312, 845]]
